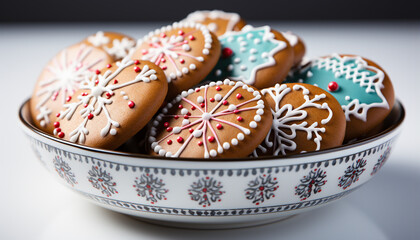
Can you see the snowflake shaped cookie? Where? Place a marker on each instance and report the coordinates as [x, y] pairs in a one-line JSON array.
[[221, 119]]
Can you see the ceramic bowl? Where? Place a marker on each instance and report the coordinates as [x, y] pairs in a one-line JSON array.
[[210, 193]]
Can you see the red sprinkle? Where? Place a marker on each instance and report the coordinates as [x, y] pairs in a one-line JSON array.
[[218, 88], [97, 72], [164, 67], [332, 86], [137, 62], [58, 115], [180, 139], [131, 104], [227, 52], [166, 124], [192, 108], [68, 99], [108, 65], [96, 82], [219, 126], [57, 124], [239, 118], [137, 69], [90, 116], [169, 142], [202, 105], [85, 106], [200, 143], [235, 111], [144, 52], [225, 102], [176, 116], [191, 130], [238, 96], [163, 35], [182, 60], [180, 32], [186, 117], [211, 99], [61, 135], [58, 130], [108, 95], [197, 90], [163, 60], [191, 37], [211, 139], [169, 129], [180, 106], [115, 81]]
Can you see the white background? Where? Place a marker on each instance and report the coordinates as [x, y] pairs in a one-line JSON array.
[[34, 206]]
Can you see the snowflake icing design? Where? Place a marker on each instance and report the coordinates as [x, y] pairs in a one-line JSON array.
[[284, 132], [245, 53], [261, 189], [102, 181], [64, 170], [207, 116], [151, 188], [68, 74], [381, 161], [98, 39], [206, 191], [94, 102], [357, 70], [311, 183], [352, 173], [163, 49], [120, 48]]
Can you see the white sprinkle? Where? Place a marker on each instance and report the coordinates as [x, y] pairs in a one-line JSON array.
[[218, 72], [157, 148], [230, 67], [184, 93], [240, 39], [257, 41], [206, 51], [153, 77], [207, 45], [231, 107], [230, 39], [154, 144], [260, 102], [347, 98], [168, 154], [247, 131], [264, 55], [253, 51], [237, 60], [122, 93], [253, 124], [218, 97], [162, 152], [156, 123], [219, 149], [184, 111], [309, 74], [200, 59], [257, 118], [252, 59], [172, 76], [242, 49], [192, 66], [197, 133], [243, 67], [226, 145], [200, 99], [240, 136], [213, 153], [249, 35], [260, 111], [185, 122], [176, 130], [186, 47], [234, 142], [113, 132]]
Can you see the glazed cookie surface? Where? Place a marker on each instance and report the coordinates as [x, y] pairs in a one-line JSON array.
[[305, 118], [363, 89], [111, 107], [298, 46], [186, 52], [260, 57], [115, 44], [223, 119], [219, 22], [61, 78]]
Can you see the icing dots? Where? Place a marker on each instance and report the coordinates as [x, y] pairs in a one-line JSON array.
[[208, 123], [246, 52]]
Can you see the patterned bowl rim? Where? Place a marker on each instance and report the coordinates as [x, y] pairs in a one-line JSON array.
[[398, 105]]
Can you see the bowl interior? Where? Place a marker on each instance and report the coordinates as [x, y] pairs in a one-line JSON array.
[[393, 120]]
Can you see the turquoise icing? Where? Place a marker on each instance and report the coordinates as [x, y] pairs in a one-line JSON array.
[[322, 77], [252, 50]]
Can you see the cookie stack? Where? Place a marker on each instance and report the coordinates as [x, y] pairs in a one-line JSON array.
[[209, 86]]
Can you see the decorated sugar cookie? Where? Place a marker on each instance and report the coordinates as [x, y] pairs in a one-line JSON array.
[[61, 78], [305, 118], [260, 57], [298, 46], [219, 22], [113, 106], [362, 88], [186, 52], [115, 44], [223, 119]]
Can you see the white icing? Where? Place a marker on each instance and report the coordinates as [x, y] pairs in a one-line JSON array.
[[120, 48], [291, 38], [200, 16], [98, 39]]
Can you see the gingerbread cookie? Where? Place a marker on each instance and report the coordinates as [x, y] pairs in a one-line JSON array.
[[61, 78], [113, 106], [115, 44], [305, 118], [219, 22], [260, 57], [186, 52], [362, 88], [223, 119], [298, 46]]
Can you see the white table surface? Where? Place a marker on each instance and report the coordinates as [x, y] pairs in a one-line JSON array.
[[34, 206]]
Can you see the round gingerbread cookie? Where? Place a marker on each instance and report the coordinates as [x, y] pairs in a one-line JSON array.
[[305, 118], [298, 46], [115, 44], [223, 119], [260, 57], [61, 78], [217, 21], [186, 52], [363, 89], [111, 107]]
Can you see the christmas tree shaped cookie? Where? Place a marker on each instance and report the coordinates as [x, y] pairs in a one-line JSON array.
[[362, 88], [260, 57]]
